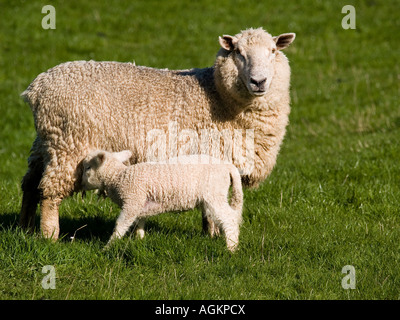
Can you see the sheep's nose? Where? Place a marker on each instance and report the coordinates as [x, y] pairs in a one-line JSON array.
[[259, 83]]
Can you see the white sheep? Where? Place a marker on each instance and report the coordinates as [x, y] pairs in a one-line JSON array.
[[85, 105], [147, 189]]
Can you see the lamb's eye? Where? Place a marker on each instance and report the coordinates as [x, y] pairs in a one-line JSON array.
[[87, 168], [273, 50], [239, 53]]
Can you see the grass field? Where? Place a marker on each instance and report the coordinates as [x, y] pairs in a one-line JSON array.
[[331, 201]]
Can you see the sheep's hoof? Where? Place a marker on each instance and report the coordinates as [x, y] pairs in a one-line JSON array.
[[107, 246]]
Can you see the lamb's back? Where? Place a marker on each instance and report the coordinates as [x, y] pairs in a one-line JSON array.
[[176, 186]]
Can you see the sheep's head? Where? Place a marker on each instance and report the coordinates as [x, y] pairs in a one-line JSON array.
[[253, 53], [96, 163]]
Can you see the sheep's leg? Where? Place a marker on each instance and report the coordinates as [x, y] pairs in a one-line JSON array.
[[31, 194], [59, 181], [49, 222]]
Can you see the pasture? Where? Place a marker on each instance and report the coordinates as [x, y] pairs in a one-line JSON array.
[[331, 201]]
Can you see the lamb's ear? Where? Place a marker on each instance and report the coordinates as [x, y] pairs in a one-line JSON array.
[[228, 42], [99, 159], [284, 40], [123, 156]]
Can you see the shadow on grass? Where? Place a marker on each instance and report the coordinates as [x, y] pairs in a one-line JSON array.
[[85, 228], [9, 220], [99, 228]]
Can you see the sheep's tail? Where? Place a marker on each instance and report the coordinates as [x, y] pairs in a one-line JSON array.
[[237, 191], [31, 94]]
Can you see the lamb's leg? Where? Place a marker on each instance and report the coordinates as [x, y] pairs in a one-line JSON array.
[[149, 207], [140, 228], [230, 223], [129, 213], [228, 219], [209, 225]]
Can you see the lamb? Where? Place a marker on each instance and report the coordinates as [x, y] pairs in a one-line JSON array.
[[85, 105], [147, 189]]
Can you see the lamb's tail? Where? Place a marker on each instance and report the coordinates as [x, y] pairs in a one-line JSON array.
[[237, 191]]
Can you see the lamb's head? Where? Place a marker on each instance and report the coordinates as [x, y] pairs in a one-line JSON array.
[[250, 57], [97, 164]]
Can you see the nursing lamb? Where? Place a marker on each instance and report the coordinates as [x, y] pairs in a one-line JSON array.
[[147, 189]]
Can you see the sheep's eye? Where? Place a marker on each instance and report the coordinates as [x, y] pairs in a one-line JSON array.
[[273, 50], [87, 168]]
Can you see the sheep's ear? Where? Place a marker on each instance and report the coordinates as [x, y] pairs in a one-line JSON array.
[[284, 40], [123, 155], [228, 42]]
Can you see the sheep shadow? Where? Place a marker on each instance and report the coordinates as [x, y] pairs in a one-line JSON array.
[[97, 228], [9, 220], [85, 228]]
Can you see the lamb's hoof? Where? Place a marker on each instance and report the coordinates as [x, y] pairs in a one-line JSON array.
[[140, 234], [214, 231]]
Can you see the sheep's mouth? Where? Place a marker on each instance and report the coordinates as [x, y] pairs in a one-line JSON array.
[[258, 92]]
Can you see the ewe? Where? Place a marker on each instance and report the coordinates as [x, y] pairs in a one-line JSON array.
[[86, 105], [147, 189]]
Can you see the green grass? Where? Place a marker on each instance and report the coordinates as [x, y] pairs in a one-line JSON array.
[[332, 199]]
